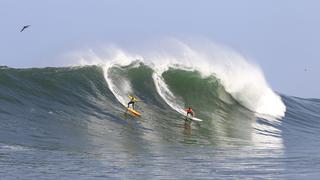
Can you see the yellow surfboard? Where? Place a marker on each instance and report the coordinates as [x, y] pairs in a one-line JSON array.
[[134, 112]]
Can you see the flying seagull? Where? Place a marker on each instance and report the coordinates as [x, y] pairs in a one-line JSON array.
[[25, 27]]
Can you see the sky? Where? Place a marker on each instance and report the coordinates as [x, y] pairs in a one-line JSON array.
[[281, 36]]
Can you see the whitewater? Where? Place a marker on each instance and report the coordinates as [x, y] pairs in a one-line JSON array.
[[70, 122]]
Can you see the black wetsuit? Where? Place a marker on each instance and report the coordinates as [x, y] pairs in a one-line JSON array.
[[131, 102]]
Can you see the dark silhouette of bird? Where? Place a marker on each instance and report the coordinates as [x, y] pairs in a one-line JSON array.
[[25, 27]]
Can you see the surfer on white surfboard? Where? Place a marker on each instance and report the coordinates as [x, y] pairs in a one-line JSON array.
[[190, 111]]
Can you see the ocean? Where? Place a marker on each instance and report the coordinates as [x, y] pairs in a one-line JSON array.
[[71, 123]]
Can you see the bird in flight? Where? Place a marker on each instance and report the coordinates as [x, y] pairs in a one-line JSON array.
[[25, 27]]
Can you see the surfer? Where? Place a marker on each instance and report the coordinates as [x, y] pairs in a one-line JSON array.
[[190, 111], [132, 101]]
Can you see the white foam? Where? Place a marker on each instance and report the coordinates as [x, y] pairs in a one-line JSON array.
[[107, 59], [4, 147], [121, 88], [166, 94]]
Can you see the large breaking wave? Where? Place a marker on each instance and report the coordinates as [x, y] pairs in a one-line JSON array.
[[241, 80]]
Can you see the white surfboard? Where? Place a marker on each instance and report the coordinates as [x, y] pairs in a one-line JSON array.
[[193, 118]]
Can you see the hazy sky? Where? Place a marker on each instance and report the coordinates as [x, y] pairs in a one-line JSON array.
[[282, 36]]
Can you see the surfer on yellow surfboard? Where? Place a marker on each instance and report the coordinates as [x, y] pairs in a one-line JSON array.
[[132, 101]]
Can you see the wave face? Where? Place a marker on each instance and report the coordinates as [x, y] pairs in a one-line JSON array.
[[73, 121]]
